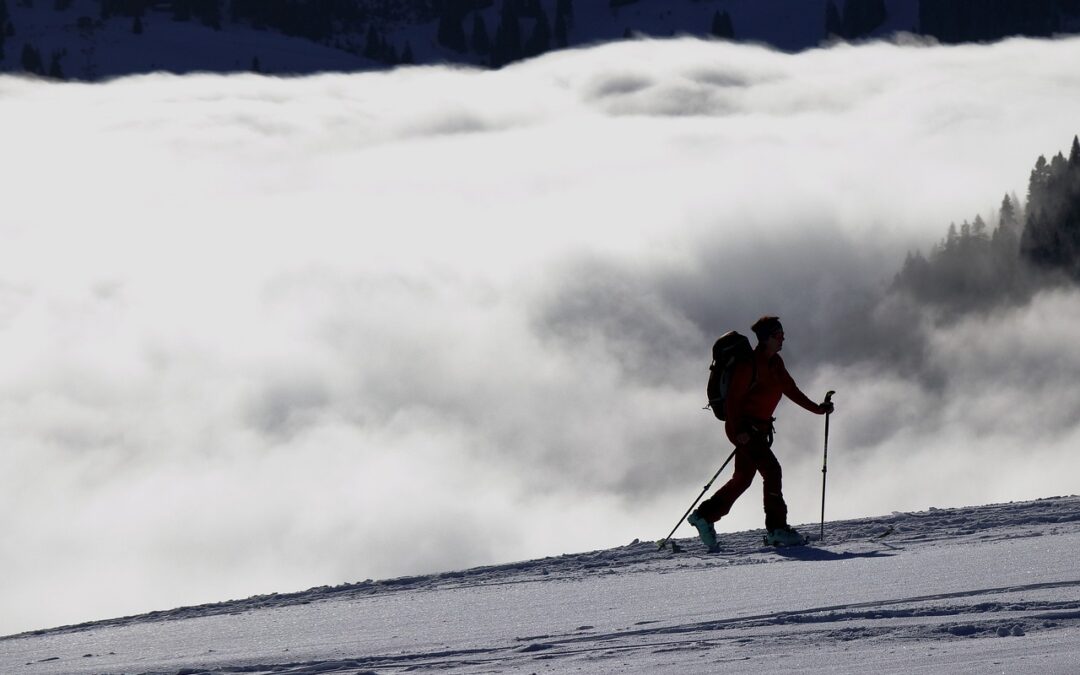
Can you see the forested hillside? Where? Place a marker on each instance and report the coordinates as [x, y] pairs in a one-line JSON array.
[[1028, 246], [95, 39]]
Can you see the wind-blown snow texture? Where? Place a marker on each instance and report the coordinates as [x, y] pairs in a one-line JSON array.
[[970, 590]]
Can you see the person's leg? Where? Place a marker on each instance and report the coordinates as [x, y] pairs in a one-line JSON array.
[[772, 479], [716, 507]]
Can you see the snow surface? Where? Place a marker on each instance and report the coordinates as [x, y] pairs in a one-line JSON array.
[[983, 589]]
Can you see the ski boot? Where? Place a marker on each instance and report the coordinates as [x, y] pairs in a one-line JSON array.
[[784, 536], [705, 530]]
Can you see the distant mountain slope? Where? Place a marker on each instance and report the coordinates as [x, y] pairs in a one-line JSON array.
[[97, 39], [77, 43]]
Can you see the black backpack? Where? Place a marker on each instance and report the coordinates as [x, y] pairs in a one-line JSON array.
[[731, 348]]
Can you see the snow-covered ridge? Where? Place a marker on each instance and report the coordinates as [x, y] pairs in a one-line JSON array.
[[932, 527], [912, 591]]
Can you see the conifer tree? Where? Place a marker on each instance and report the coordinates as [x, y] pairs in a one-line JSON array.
[[833, 24], [137, 25], [56, 72], [1051, 236], [722, 26], [1007, 217], [565, 10], [540, 40], [561, 38], [450, 34], [1037, 243], [860, 17], [407, 54], [1058, 166], [481, 41], [31, 60], [952, 239], [507, 46], [1005, 242], [1037, 183], [373, 46], [389, 53], [978, 228]]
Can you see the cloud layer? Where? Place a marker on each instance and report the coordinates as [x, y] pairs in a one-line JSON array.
[[262, 334]]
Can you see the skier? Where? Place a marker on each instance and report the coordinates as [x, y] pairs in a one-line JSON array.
[[757, 384]]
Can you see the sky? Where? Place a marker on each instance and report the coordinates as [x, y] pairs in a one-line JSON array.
[[261, 334]]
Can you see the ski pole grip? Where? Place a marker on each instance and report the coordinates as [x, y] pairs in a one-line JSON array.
[[829, 395]]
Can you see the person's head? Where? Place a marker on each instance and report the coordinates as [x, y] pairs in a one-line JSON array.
[[769, 332]]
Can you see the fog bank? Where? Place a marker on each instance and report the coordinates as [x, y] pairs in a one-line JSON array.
[[263, 334]]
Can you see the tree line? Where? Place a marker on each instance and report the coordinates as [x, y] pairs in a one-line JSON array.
[[854, 19], [7, 29], [1030, 246], [955, 21], [521, 28], [498, 32], [1051, 238], [524, 29]]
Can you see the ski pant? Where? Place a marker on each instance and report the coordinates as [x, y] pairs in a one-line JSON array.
[[754, 457]]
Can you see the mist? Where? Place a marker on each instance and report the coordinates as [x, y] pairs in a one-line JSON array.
[[261, 334]]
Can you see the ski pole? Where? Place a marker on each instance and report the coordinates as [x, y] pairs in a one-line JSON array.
[[663, 542], [825, 465]]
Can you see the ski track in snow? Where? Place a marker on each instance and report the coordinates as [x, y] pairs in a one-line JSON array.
[[674, 636]]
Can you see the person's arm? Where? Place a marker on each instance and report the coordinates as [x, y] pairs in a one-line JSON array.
[[741, 379], [792, 391]]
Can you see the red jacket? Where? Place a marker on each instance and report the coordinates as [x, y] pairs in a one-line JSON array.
[[755, 395]]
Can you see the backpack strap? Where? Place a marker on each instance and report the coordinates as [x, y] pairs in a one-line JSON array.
[[753, 381]]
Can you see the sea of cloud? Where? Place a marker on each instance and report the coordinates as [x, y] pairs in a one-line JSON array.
[[260, 334]]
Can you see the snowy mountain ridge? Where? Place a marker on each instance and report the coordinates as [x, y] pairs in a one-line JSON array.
[[939, 579]]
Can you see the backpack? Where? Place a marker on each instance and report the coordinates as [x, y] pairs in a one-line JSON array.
[[731, 348]]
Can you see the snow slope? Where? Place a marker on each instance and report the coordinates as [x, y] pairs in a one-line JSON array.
[[972, 590]]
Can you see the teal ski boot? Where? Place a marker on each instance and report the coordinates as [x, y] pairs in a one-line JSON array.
[[784, 536], [705, 530]]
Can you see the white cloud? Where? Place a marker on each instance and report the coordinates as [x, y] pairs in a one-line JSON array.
[[266, 333]]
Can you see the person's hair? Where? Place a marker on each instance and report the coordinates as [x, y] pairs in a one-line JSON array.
[[766, 326]]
